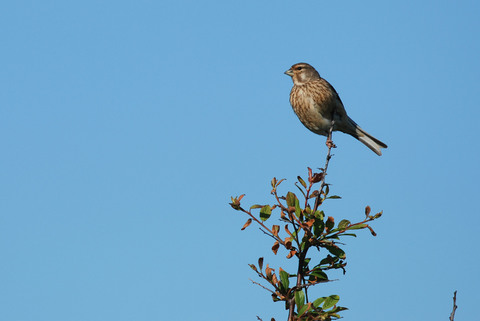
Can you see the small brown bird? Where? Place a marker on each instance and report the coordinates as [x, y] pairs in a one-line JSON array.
[[315, 102]]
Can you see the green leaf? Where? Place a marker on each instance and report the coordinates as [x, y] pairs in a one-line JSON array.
[[318, 301], [255, 206], [300, 189], [343, 224], [328, 260], [306, 261], [291, 197], [334, 197], [335, 250], [313, 194], [294, 234], [298, 209], [265, 212], [358, 227], [284, 279], [304, 243], [329, 224], [330, 301], [318, 227], [319, 274], [302, 181], [299, 299], [303, 309], [337, 309]]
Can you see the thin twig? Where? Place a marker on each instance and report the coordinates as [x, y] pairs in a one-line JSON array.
[[330, 236], [306, 285], [262, 286], [263, 225], [330, 145], [273, 237], [452, 315]]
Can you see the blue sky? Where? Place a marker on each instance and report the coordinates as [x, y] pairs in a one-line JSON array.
[[125, 127]]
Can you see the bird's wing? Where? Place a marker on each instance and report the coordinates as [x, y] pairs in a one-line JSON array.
[[339, 108]]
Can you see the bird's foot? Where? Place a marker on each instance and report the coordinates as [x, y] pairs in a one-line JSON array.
[[330, 144]]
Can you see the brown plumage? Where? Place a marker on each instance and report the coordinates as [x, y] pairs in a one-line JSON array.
[[315, 101]]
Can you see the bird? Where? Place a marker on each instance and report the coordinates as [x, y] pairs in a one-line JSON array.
[[316, 102]]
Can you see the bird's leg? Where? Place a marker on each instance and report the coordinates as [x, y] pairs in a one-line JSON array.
[[329, 141]]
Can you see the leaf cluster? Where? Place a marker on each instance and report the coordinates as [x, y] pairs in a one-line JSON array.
[[303, 226]]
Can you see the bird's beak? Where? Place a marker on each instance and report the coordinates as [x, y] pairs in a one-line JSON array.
[[289, 72]]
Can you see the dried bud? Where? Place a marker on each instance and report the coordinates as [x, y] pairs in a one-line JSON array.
[[268, 271], [275, 229], [367, 210], [274, 182], [260, 263], [288, 243], [378, 215], [274, 279], [292, 253], [317, 177], [371, 230], [275, 247], [249, 221]]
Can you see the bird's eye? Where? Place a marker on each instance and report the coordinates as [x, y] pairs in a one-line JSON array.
[[299, 68]]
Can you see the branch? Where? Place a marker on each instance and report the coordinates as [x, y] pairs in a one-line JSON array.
[[298, 285], [452, 315], [302, 255]]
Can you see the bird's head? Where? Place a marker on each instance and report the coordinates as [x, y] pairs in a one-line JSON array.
[[302, 73]]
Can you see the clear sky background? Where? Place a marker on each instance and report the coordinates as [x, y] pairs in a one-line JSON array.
[[125, 127]]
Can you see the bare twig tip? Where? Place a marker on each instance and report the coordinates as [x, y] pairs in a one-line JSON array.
[[452, 315]]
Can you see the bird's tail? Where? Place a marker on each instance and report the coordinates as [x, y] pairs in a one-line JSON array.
[[368, 140]]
